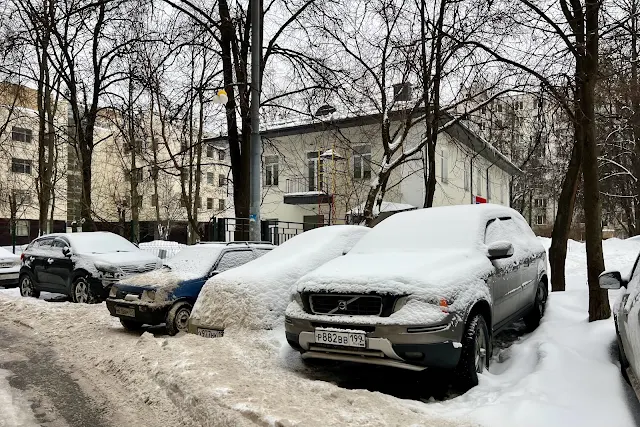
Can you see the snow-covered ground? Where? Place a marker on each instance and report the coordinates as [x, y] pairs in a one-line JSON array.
[[563, 374]]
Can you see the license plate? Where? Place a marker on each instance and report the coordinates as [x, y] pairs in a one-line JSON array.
[[210, 333], [346, 339], [6, 264], [126, 311]]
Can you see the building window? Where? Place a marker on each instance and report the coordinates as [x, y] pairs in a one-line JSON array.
[[315, 171], [222, 155], [137, 174], [154, 200], [271, 172], [183, 204], [541, 219], [21, 134], [209, 150], [221, 204], [21, 197], [222, 180], [466, 176], [210, 178], [209, 203], [184, 145], [20, 166], [540, 203], [184, 174], [444, 167], [499, 108], [22, 228], [362, 162], [501, 193]]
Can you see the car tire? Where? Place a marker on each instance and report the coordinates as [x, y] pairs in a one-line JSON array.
[[532, 319], [130, 325], [476, 349], [81, 291], [178, 318], [27, 287], [624, 362]]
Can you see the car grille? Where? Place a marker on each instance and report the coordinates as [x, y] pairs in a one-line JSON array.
[[134, 269], [121, 294], [349, 305]]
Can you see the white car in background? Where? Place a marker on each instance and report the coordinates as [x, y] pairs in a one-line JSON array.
[[9, 269], [255, 295]]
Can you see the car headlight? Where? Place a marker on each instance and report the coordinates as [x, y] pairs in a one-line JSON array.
[[400, 302], [297, 298], [442, 303], [105, 267], [113, 292], [148, 295]]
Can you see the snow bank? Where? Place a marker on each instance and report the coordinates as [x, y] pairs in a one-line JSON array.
[[256, 294]]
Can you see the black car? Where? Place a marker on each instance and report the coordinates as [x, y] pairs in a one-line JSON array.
[[80, 265], [167, 295]]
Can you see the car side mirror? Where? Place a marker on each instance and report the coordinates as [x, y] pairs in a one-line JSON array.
[[66, 251], [611, 280], [499, 250]]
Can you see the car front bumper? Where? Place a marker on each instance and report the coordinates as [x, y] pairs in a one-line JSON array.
[[407, 347], [147, 313]]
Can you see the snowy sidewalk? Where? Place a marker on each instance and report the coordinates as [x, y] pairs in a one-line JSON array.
[[563, 374]]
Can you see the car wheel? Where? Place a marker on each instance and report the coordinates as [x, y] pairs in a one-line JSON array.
[[131, 325], [476, 348], [178, 318], [532, 319], [27, 288], [81, 291], [624, 362]]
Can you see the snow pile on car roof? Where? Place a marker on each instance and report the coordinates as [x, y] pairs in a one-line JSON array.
[[429, 254], [256, 294]]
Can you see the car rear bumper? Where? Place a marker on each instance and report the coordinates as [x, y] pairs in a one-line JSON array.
[[9, 279], [389, 345], [143, 313]]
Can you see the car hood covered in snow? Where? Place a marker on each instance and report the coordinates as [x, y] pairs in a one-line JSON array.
[[426, 277], [120, 259], [158, 279], [255, 295]]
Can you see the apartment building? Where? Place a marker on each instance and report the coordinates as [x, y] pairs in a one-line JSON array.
[[162, 162]]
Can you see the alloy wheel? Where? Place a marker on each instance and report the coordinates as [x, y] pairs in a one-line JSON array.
[[26, 287], [480, 350], [82, 292]]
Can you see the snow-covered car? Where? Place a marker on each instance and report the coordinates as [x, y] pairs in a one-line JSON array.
[[9, 269], [425, 288], [167, 295], [626, 314], [255, 295], [81, 265]]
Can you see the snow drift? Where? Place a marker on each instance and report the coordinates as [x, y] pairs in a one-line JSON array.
[[256, 294]]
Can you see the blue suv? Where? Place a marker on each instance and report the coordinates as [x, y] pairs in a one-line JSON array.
[[167, 295]]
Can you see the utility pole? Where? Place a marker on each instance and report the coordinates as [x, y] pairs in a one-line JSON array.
[[256, 144]]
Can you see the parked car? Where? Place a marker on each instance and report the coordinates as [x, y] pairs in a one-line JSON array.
[[255, 295], [167, 295], [9, 269], [80, 265], [626, 315], [425, 288]]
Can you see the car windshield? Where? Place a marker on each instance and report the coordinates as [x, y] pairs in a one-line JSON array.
[[420, 230], [197, 260], [100, 243]]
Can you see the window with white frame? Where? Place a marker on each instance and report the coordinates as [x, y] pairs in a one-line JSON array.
[[444, 167], [221, 155], [21, 197], [540, 203], [209, 203], [22, 228], [541, 219], [20, 166], [467, 176], [221, 204], [362, 162], [209, 150], [210, 178], [271, 170], [21, 134]]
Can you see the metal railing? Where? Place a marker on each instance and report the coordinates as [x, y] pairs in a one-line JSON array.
[[304, 184]]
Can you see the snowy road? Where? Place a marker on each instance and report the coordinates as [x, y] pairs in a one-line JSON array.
[[71, 364]]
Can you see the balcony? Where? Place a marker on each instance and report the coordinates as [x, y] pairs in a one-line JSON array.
[[305, 191]]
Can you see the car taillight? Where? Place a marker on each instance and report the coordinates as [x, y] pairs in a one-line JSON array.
[[22, 257]]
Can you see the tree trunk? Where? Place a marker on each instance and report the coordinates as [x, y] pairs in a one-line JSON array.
[[564, 215], [85, 202], [598, 298]]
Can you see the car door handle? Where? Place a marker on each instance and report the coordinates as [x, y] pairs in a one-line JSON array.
[[50, 260]]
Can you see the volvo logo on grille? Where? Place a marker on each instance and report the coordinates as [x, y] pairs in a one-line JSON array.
[[342, 304]]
